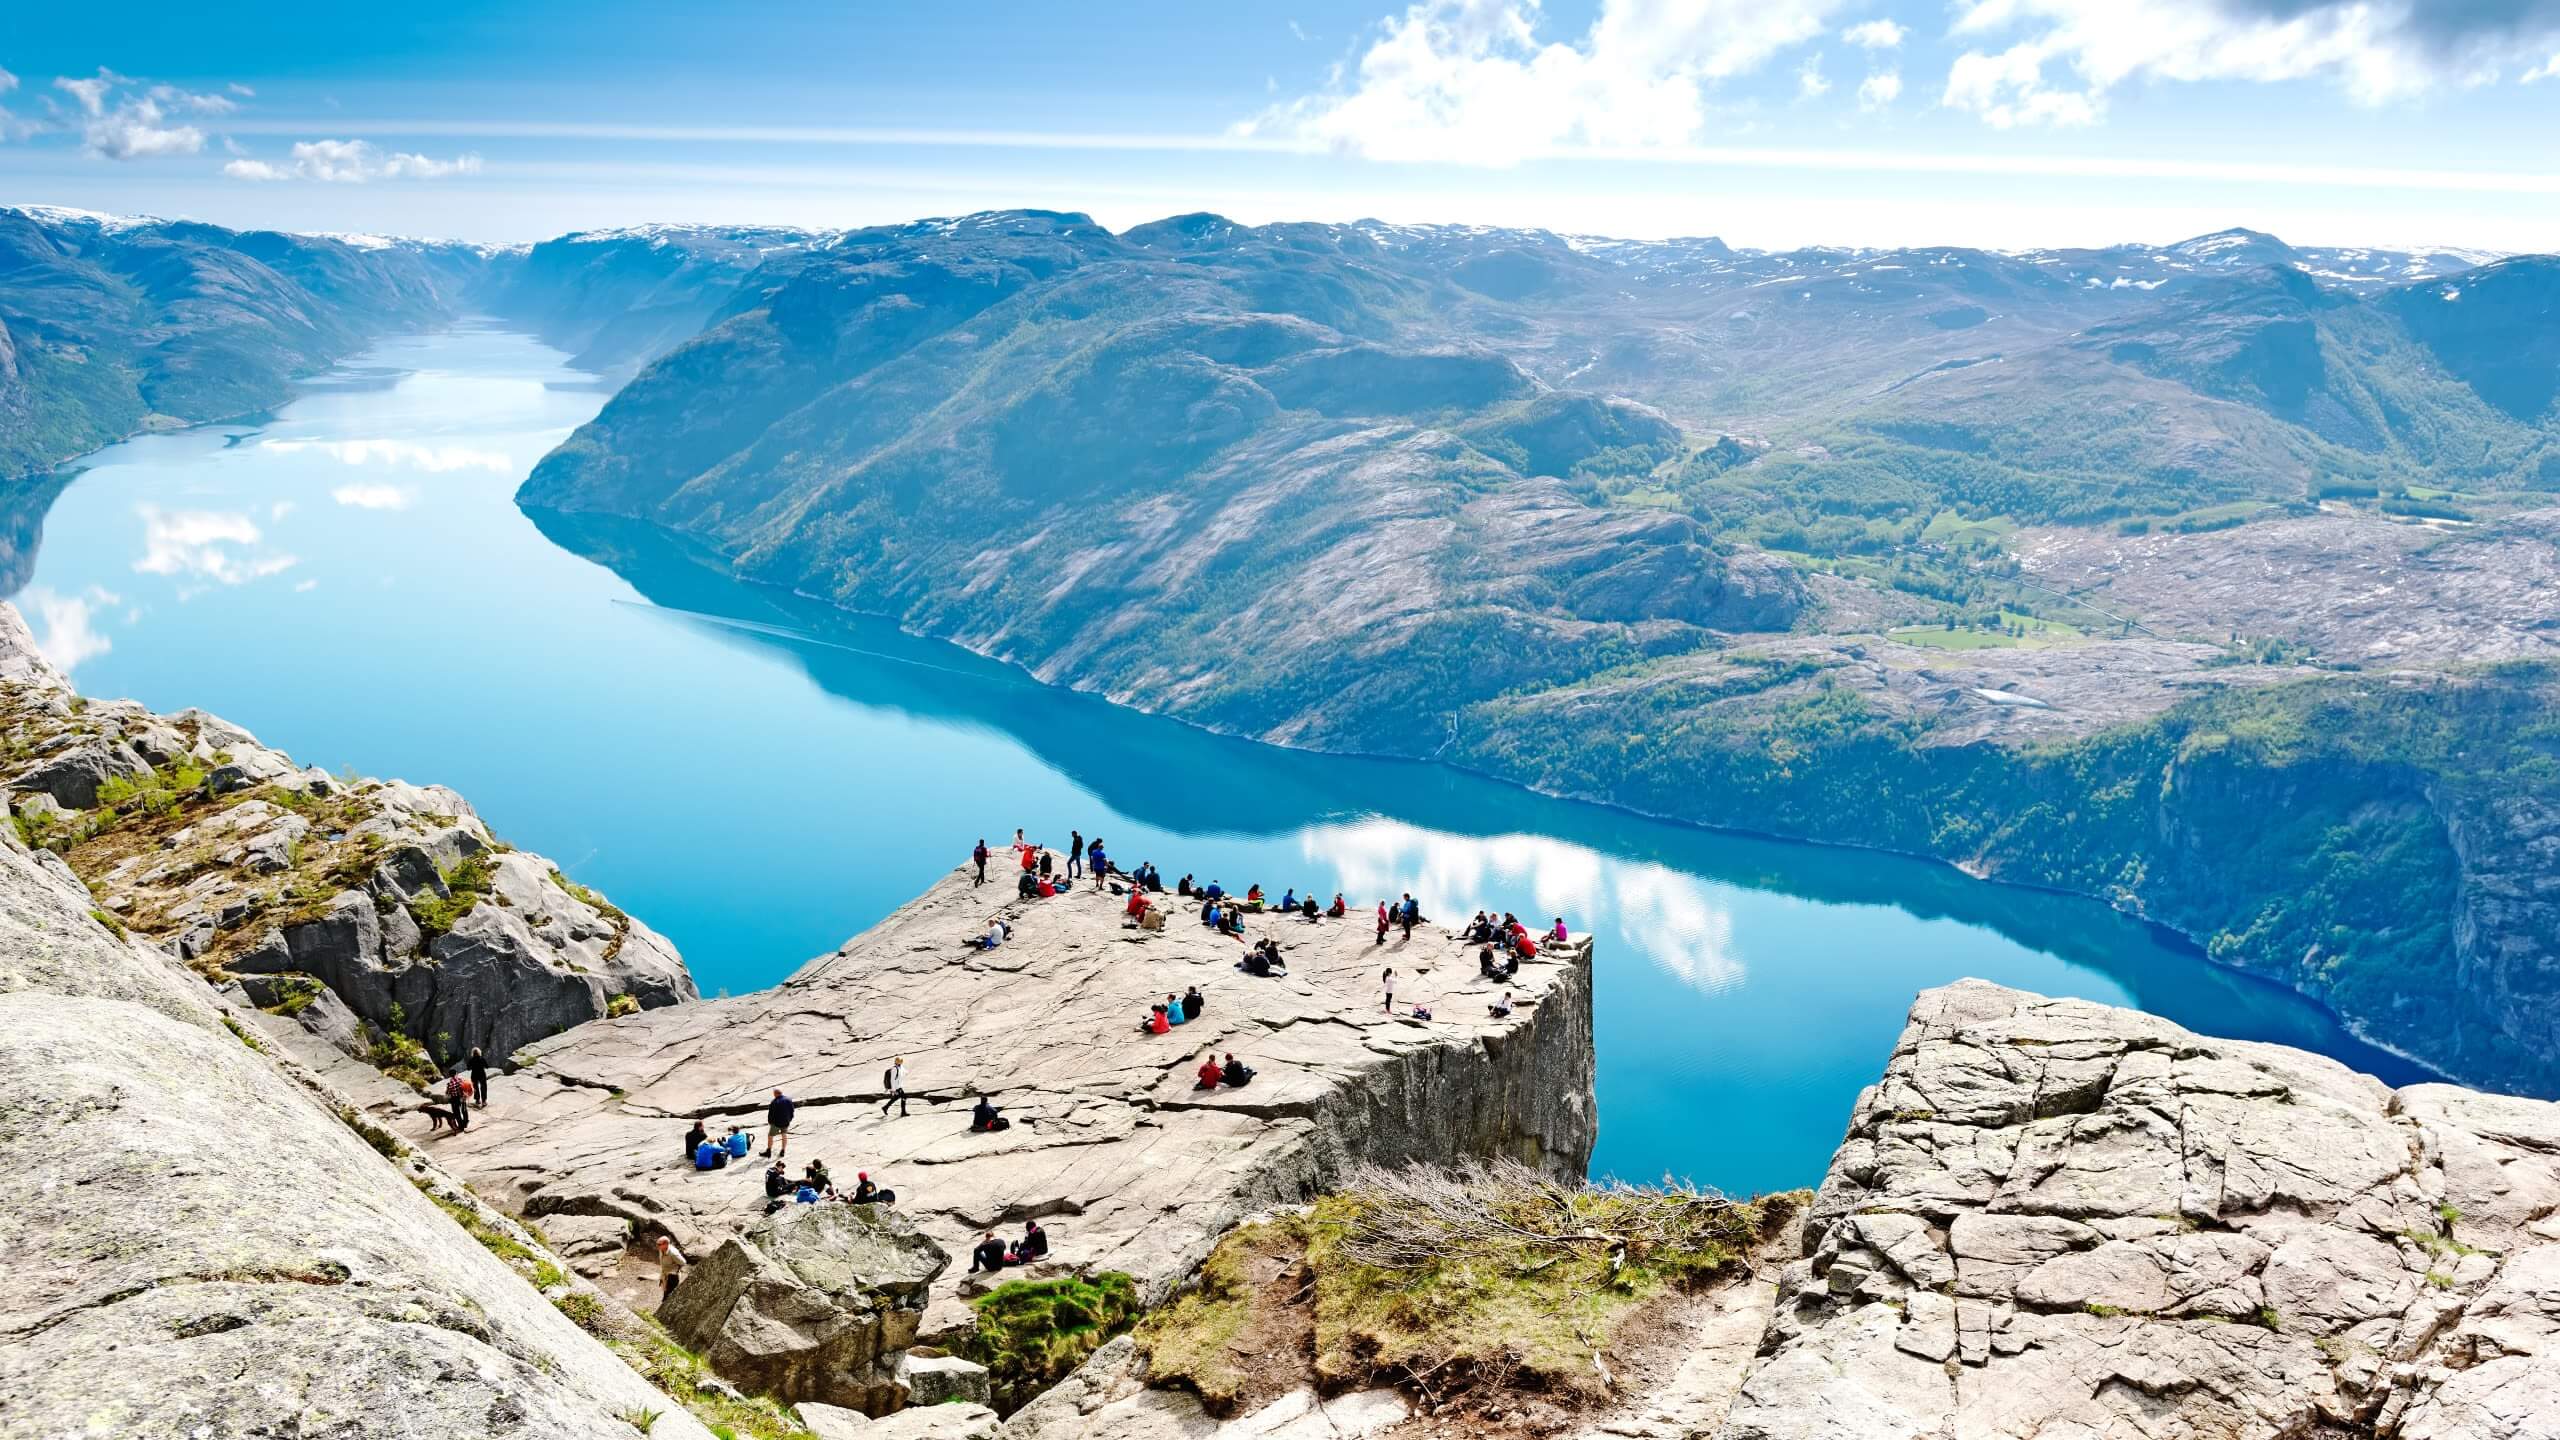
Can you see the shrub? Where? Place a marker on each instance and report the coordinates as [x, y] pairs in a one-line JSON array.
[[1030, 1333]]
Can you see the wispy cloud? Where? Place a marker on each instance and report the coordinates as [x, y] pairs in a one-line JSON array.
[[1810, 81], [121, 118], [213, 545], [372, 497], [1879, 90], [2067, 56], [436, 459], [350, 162], [66, 629], [1473, 82], [1875, 35]]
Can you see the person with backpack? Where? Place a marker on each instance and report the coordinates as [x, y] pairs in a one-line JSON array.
[[777, 1125], [866, 1193], [980, 855], [893, 1084]]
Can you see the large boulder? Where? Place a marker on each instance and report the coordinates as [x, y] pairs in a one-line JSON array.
[[73, 776], [812, 1303]]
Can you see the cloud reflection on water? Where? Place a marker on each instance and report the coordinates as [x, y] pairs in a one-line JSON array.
[[1675, 920], [434, 459], [197, 543]]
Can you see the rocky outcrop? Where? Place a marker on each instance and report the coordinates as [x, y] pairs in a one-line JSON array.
[[1128, 1166], [815, 1302], [394, 896], [198, 1246], [2056, 1217]]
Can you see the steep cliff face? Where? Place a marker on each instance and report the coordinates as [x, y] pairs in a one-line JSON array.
[[1129, 1166], [200, 1247], [2056, 1217]]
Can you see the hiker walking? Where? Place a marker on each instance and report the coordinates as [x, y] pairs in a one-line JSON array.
[[1389, 980], [894, 1081], [1075, 854], [980, 855], [480, 1076]]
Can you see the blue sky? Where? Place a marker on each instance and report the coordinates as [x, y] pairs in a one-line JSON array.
[[1770, 122]]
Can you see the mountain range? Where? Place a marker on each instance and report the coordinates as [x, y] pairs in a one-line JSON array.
[[2203, 578]]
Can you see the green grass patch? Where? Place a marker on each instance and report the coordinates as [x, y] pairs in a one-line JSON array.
[[2002, 629], [1030, 1333], [466, 882], [1442, 1282]]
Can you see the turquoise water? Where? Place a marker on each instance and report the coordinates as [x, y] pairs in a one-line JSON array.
[[759, 777]]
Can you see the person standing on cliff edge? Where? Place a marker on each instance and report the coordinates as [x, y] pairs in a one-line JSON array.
[[480, 1076], [1075, 854], [980, 855], [777, 1125]]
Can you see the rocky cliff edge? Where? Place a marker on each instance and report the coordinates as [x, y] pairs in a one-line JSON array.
[[1111, 1147], [2055, 1218]]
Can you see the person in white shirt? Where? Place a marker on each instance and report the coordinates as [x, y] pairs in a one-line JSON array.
[[670, 1268]]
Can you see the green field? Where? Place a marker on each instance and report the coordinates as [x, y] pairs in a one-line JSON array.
[[2014, 631]]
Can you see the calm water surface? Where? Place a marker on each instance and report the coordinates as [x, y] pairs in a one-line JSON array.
[[759, 777]]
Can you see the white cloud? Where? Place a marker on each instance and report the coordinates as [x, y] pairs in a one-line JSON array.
[[1810, 83], [1875, 35], [116, 124], [1880, 89], [372, 497], [436, 459], [1471, 81], [351, 162], [197, 543], [65, 633], [2547, 70], [2065, 56]]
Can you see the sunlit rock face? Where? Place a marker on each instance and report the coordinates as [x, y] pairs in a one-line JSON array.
[[1111, 1146], [2057, 1217]]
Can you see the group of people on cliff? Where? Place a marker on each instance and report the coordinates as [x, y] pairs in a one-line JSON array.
[[1041, 876]]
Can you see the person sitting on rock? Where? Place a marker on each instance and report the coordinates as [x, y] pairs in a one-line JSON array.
[[866, 1193], [1557, 935], [1033, 1245], [984, 1116], [1048, 864], [1502, 1008], [1234, 922], [1212, 916], [994, 937], [777, 1181], [1183, 887], [1151, 877], [710, 1155], [1307, 908], [1193, 1002], [1420, 1012], [988, 1255], [1255, 963], [1215, 891], [1235, 1072], [1338, 908], [739, 1142], [693, 1140], [1210, 1074], [1136, 909], [1485, 965], [1289, 899], [1253, 896], [817, 1178], [1155, 1022], [1028, 887]]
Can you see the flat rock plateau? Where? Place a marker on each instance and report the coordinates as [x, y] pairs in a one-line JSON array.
[[1112, 1148]]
